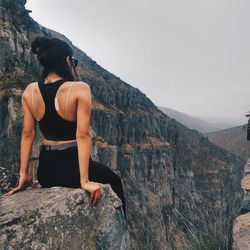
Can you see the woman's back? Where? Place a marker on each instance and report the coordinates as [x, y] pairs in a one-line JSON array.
[[67, 94], [67, 88]]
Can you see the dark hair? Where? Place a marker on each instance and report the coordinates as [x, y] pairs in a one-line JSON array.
[[52, 54]]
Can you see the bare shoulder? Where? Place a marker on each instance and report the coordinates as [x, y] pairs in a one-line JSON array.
[[28, 89], [81, 85], [82, 88], [29, 86]]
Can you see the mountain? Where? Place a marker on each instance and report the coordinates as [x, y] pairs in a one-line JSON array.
[[194, 122], [178, 185], [233, 139]]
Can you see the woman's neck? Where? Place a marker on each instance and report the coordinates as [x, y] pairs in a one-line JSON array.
[[52, 77]]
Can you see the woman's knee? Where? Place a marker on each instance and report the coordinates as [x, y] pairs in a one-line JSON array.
[[116, 181], [116, 178]]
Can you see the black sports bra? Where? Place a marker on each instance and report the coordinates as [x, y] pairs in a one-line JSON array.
[[52, 125]]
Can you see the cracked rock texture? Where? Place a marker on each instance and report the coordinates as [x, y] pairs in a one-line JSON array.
[[241, 232], [241, 225], [62, 218]]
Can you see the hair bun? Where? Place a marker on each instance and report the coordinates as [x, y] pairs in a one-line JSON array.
[[40, 45]]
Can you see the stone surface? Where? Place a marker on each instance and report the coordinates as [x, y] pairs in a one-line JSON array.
[[245, 186], [62, 218], [8, 179], [241, 232], [241, 225]]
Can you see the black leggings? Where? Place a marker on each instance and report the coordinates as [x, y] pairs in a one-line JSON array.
[[61, 168]]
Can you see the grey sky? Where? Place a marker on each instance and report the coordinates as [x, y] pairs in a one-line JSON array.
[[189, 55]]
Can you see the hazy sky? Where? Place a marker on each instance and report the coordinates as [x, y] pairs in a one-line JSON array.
[[189, 55]]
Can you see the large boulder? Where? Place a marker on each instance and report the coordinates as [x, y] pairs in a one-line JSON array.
[[62, 218], [241, 232]]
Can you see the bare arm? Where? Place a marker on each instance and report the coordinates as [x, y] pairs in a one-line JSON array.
[[83, 135], [28, 135]]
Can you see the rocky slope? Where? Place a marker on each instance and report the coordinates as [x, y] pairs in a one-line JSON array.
[[62, 218], [232, 139], [194, 122], [175, 180]]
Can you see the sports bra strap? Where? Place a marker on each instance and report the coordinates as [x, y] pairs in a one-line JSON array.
[[48, 92], [67, 99], [32, 100]]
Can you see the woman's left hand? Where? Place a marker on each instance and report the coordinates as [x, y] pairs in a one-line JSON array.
[[24, 182]]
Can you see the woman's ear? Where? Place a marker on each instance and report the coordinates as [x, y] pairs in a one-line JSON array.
[[68, 61]]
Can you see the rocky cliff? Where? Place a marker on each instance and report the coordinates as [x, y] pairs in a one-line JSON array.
[[62, 218], [177, 183], [241, 226]]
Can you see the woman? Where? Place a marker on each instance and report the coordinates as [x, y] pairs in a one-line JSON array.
[[62, 108]]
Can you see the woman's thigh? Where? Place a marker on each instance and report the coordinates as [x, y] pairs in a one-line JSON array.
[[101, 173]]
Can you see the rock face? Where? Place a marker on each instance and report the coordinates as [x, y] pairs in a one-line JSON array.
[[62, 218], [245, 184], [241, 232], [241, 225], [175, 180], [8, 179]]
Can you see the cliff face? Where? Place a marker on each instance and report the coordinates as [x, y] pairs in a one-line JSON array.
[[175, 180], [241, 225]]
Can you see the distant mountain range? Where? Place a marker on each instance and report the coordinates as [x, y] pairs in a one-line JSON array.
[[196, 123], [233, 139]]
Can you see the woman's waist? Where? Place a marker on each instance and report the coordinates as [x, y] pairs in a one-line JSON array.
[[57, 145], [56, 142]]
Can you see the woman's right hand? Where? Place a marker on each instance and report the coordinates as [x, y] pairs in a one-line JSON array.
[[24, 181], [95, 190]]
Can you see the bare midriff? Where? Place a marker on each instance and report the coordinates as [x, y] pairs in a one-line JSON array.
[[49, 142]]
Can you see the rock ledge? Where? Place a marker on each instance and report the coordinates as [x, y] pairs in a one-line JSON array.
[[62, 218]]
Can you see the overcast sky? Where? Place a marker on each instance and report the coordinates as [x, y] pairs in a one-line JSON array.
[[189, 55]]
